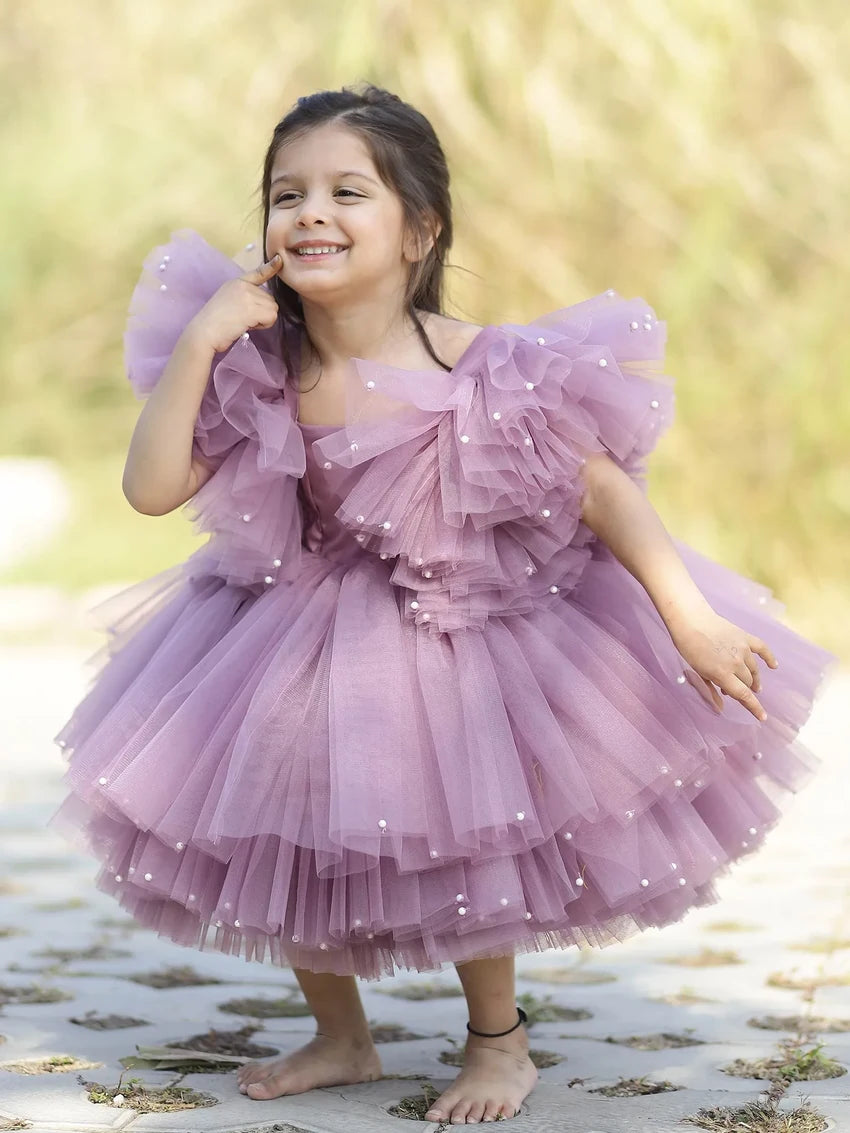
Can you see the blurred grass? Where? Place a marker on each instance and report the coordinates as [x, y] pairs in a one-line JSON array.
[[693, 155]]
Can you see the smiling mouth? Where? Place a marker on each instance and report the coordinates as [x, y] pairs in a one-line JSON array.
[[318, 253]]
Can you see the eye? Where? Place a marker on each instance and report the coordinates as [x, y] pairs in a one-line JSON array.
[[289, 195]]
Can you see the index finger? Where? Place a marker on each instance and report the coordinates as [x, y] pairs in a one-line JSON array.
[[264, 272], [764, 651]]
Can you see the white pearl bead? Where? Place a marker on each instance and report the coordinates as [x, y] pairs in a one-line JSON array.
[[753, 830], [664, 770], [529, 385], [464, 439], [327, 464], [370, 935], [162, 267], [360, 538], [654, 404], [497, 416], [361, 519], [503, 900], [276, 563], [118, 877], [163, 287], [529, 441], [680, 680], [295, 939], [603, 362], [354, 446], [386, 525], [677, 782], [63, 743], [248, 247], [323, 946], [673, 866], [461, 910], [459, 897], [179, 846], [358, 923], [546, 513], [762, 600], [383, 555], [217, 924], [148, 877], [554, 589], [520, 815], [568, 836], [541, 342], [236, 924], [245, 336], [698, 782], [382, 822], [630, 814], [426, 617], [414, 605], [648, 315], [370, 385], [611, 292], [528, 916], [419, 562], [758, 755], [268, 578], [167, 259], [579, 882], [227, 904], [644, 882], [427, 573], [529, 570], [102, 781], [633, 326], [682, 881], [245, 518], [434, 854], [745, 844]]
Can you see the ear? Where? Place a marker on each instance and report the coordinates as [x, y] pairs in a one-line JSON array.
[[416, 246]]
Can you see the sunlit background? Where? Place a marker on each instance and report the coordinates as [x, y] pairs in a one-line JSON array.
[[695, 155]]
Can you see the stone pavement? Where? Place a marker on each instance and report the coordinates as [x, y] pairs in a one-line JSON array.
[[793, 894]]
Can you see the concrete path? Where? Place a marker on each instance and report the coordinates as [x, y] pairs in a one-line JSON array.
[[785, 911]]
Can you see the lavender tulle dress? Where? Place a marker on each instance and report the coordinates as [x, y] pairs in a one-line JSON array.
[[403, 707]]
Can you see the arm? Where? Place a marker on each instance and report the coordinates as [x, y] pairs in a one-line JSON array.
[[615, 509], [159, 473]]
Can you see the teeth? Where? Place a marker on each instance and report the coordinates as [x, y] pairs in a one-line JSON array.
[[317, 251]]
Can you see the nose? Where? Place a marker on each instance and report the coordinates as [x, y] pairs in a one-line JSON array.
[[309, 214]]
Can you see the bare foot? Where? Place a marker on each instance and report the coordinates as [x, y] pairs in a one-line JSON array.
[[496, 1078], [323, 1061]]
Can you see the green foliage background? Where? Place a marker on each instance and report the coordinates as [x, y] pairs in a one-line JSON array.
[[692, 154]]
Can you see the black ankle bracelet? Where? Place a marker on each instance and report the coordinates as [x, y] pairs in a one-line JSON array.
[[523, 1018]]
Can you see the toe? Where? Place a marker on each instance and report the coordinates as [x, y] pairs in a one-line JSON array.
[[491, 1109], [476, 1112], [459, 1113]]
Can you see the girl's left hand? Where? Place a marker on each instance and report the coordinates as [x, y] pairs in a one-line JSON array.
[[722, 653]]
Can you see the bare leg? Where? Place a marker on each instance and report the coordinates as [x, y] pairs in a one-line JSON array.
[[342, 1051], [497, 1074]]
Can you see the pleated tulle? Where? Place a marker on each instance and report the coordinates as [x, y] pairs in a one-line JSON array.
[[438, 720]]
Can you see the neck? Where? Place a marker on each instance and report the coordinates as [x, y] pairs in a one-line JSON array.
[[366, 329]]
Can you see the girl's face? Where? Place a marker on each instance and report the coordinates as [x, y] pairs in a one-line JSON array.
[[325, 191]]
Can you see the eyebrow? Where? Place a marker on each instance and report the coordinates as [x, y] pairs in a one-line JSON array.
[[339, 173]]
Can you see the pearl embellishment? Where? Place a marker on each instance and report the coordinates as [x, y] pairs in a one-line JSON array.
[[148, 877], [677, 782], [541, 342], [102, 781], [361, 518], [644, 882], [680, 680], [414, 605], [163, 287], [244, 336], [245, 518], [528, 916], [497, 416], [554, 589], [682, 881], [118, 877], [546, 513], [370, 385], [459, 897], [276, 563], [520, 815], [654, 403], [433, 854], [179, 846], [464, 439], [461, 910], [579, 882], [354, 446], [633, 326], [603, 362], [427, 573], [296, 939], [568, 836], [268, 578], [382, 822], [503, 900], [327, 464], [529, 385]]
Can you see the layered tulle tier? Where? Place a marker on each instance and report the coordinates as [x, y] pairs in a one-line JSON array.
[[304, 776]]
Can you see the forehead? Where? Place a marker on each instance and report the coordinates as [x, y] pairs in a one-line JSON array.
[[323, 150]]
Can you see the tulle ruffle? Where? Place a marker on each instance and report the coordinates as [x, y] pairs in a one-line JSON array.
[[245, 429]]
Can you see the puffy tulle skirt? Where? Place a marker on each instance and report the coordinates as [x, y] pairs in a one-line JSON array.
[[303, 776]]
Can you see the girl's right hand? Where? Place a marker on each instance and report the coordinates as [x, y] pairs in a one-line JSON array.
[[237, 306]]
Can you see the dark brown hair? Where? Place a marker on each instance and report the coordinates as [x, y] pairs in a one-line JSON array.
[[409, 159]]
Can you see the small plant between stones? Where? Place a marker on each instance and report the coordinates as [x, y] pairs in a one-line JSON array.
[[424, 989], [663, 1041], [543, 1010], [261, 1008], [134, 1094], [634, 1088], [181, 976], [762, 1116], [32, 993], [792, 1064], [56, 1064]]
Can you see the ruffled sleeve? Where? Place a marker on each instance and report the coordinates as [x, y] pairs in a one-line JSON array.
[[474, 481], [244, 431]]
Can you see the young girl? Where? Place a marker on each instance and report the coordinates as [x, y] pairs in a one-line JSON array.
[[439, 687]]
